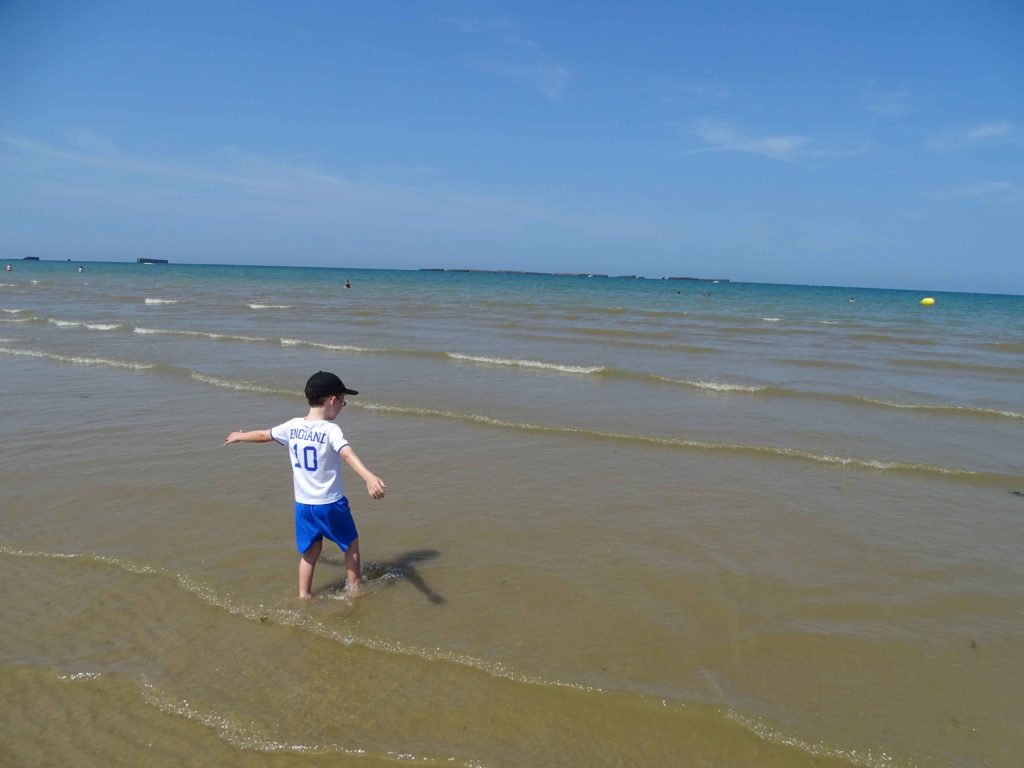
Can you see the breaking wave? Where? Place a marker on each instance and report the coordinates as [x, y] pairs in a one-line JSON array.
[[711, 446], [249, 738], [300, 620], [577, 369], [332, 347], [867, 758], [239, 386], [77, 359], [202, 334], [714, 386], [955, 366], [83, 324]]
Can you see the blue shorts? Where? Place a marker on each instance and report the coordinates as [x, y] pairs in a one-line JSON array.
[[314, 521]]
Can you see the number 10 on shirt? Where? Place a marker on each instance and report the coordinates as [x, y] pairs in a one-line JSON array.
[[308, 457]]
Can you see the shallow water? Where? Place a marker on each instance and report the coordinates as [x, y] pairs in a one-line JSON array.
[[627, 523]]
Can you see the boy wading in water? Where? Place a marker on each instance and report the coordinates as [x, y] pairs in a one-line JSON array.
[[316, 446]]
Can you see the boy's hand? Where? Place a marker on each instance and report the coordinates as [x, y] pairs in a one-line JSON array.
[[375, 487], [234, 437]]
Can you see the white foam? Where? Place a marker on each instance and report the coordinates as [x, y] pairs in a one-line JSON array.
[[13, 311], [291, 618], [15, 319], [243, 737], [82, 324], [161, 301], [249, 738], [124, 565], [845, 461], [576, 369], [269, 306], [771, 319], [715, 386], [867, 758], [332, 347], [229, 336], [238, 386], [81, 676], [75, 359], [203, 334], [950, 408]]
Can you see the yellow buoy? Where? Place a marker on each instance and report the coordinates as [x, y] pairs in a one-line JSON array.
[[927, 301]]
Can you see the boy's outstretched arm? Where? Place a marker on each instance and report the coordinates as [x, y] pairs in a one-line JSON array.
[[374, 485], [255, 436]]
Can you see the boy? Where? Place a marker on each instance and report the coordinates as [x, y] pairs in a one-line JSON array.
[[316, 446]]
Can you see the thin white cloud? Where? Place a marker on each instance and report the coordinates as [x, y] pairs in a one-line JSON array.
[[520, 59], [989, 130], [92, 142], [724, 136], [112, 159], [464, 24], [550, 79], [971, 136], [982, 190], [477, 26], [885, 103], [676, 92], [232, 177]]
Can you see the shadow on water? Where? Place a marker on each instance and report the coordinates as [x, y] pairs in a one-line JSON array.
[[401, 568]]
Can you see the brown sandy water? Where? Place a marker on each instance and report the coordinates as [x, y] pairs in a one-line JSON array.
[[712, 558]]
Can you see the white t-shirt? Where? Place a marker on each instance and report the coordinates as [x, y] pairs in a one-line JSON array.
[[313, 450]]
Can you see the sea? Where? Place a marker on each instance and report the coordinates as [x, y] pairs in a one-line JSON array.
[[628, 522]]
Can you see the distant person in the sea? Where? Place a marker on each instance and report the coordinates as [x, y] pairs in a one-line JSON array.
[[316, 446], [81, 269], [9, 267], [348, 284]]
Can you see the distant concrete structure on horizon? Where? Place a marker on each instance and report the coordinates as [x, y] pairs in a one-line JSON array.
[[511, 272], [566, 274], [702, 279]]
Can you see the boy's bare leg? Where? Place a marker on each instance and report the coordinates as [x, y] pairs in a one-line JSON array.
[[306, 565], [353, 568]]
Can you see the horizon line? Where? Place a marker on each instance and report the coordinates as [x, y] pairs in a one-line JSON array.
[[512, 272]]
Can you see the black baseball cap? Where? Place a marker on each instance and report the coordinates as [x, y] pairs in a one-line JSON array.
[[325, 384]]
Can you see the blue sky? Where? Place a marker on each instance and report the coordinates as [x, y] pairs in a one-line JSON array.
[[867, 143]]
